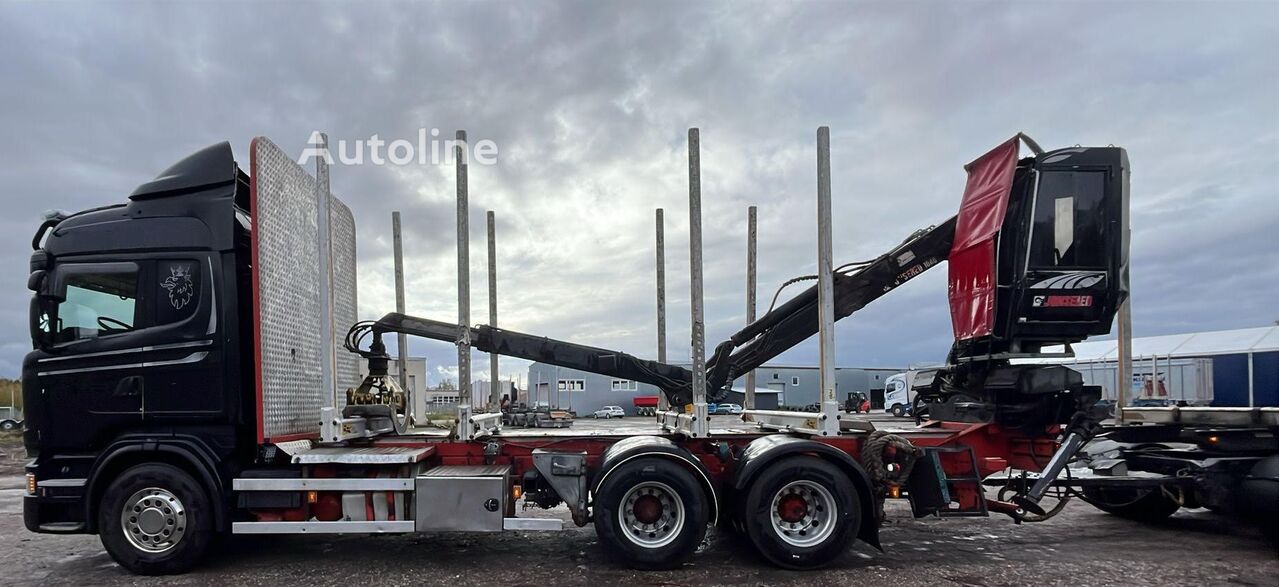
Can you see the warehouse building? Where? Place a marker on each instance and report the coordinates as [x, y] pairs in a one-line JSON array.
[[776, 387], [1245, 362]]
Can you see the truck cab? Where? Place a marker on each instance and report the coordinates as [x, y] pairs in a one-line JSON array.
[[898, 395], [138, 327]]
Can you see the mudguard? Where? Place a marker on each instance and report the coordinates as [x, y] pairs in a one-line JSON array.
[[188, 449]]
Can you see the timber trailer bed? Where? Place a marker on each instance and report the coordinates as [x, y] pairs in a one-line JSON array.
[[186, 374]]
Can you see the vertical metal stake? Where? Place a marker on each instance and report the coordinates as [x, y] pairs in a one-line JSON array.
[[463, 274], [662, 403], [699, 415], [1123, 370], [328, 360], [401, 339], [1252, 396], [826, 287], [751, 274], [495, 397]]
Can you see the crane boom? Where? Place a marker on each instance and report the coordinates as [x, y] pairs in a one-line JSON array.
[[780, 329]]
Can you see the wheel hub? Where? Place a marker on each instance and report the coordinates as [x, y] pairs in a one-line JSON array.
[[153, 520], [792, 508], [804, 513], [651, 514], [648, 509]]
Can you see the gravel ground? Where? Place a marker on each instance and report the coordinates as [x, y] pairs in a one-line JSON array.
[[1081, 546]]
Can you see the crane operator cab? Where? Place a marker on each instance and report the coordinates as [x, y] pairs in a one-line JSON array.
[[1039, 258]]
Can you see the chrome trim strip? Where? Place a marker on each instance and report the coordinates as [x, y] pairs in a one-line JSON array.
[[191, 358], [140, 349], [61, 482], [385, 527], [213, 300], [325, 484], [535, 524]]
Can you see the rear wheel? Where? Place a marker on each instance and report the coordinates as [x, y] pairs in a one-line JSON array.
[[155, 520], [651, 514], [1142, 505], [801, 513]]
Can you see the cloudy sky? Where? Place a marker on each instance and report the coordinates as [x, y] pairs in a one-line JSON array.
[[589, 104]]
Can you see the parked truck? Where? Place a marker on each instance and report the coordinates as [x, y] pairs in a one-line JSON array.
[[194, 373]]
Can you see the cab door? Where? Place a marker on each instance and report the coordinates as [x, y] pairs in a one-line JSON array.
[[128, 344], [90, 380]]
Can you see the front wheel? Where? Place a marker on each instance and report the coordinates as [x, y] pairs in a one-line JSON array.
[[899, 411], [801, 513], [155, 520], [651, 514]]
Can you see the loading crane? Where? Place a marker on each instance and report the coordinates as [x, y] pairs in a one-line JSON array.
[[1029, 269]]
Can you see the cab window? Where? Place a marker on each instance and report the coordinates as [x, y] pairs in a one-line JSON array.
[[1069, 220], [178, 290], [96, 304]]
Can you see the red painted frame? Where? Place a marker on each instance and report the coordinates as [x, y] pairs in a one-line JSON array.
[[994, 448]]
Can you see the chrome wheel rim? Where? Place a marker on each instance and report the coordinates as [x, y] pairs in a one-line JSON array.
[[652, 514], [803, 513], [153, 520]]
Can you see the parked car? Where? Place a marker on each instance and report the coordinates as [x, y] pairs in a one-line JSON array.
[[610, 412], [728, 409]]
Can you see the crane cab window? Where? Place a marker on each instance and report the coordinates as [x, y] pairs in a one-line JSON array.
[[1069, 220], [95, 304]]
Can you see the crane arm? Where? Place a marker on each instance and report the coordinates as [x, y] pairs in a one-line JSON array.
[[794, 321], [774, 333]]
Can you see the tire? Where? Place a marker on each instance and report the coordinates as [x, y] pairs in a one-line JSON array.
[[899, 411], [8, 425], [1148, 507], [801, 513], [172, 504], [651, 514]]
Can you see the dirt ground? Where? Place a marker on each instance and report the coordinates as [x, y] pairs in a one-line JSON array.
[[12, 456], [1080, 547]]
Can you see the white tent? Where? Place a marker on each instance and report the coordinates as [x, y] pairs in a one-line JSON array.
[[1194, 344]]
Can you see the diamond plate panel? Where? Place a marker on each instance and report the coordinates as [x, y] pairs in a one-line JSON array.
[[345, 302], [287, 294]]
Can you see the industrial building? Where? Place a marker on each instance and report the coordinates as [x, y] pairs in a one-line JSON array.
[[777, 386], [1245, 362]]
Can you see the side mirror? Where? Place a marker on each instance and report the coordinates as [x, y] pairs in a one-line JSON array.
[[36, 280]]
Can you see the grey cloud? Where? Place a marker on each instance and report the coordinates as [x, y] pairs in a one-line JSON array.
[[589, 103]]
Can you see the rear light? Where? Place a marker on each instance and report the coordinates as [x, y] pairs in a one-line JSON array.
[[31, 483]]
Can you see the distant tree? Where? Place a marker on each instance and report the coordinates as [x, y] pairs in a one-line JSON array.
[[11, 393], [447, 385]]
